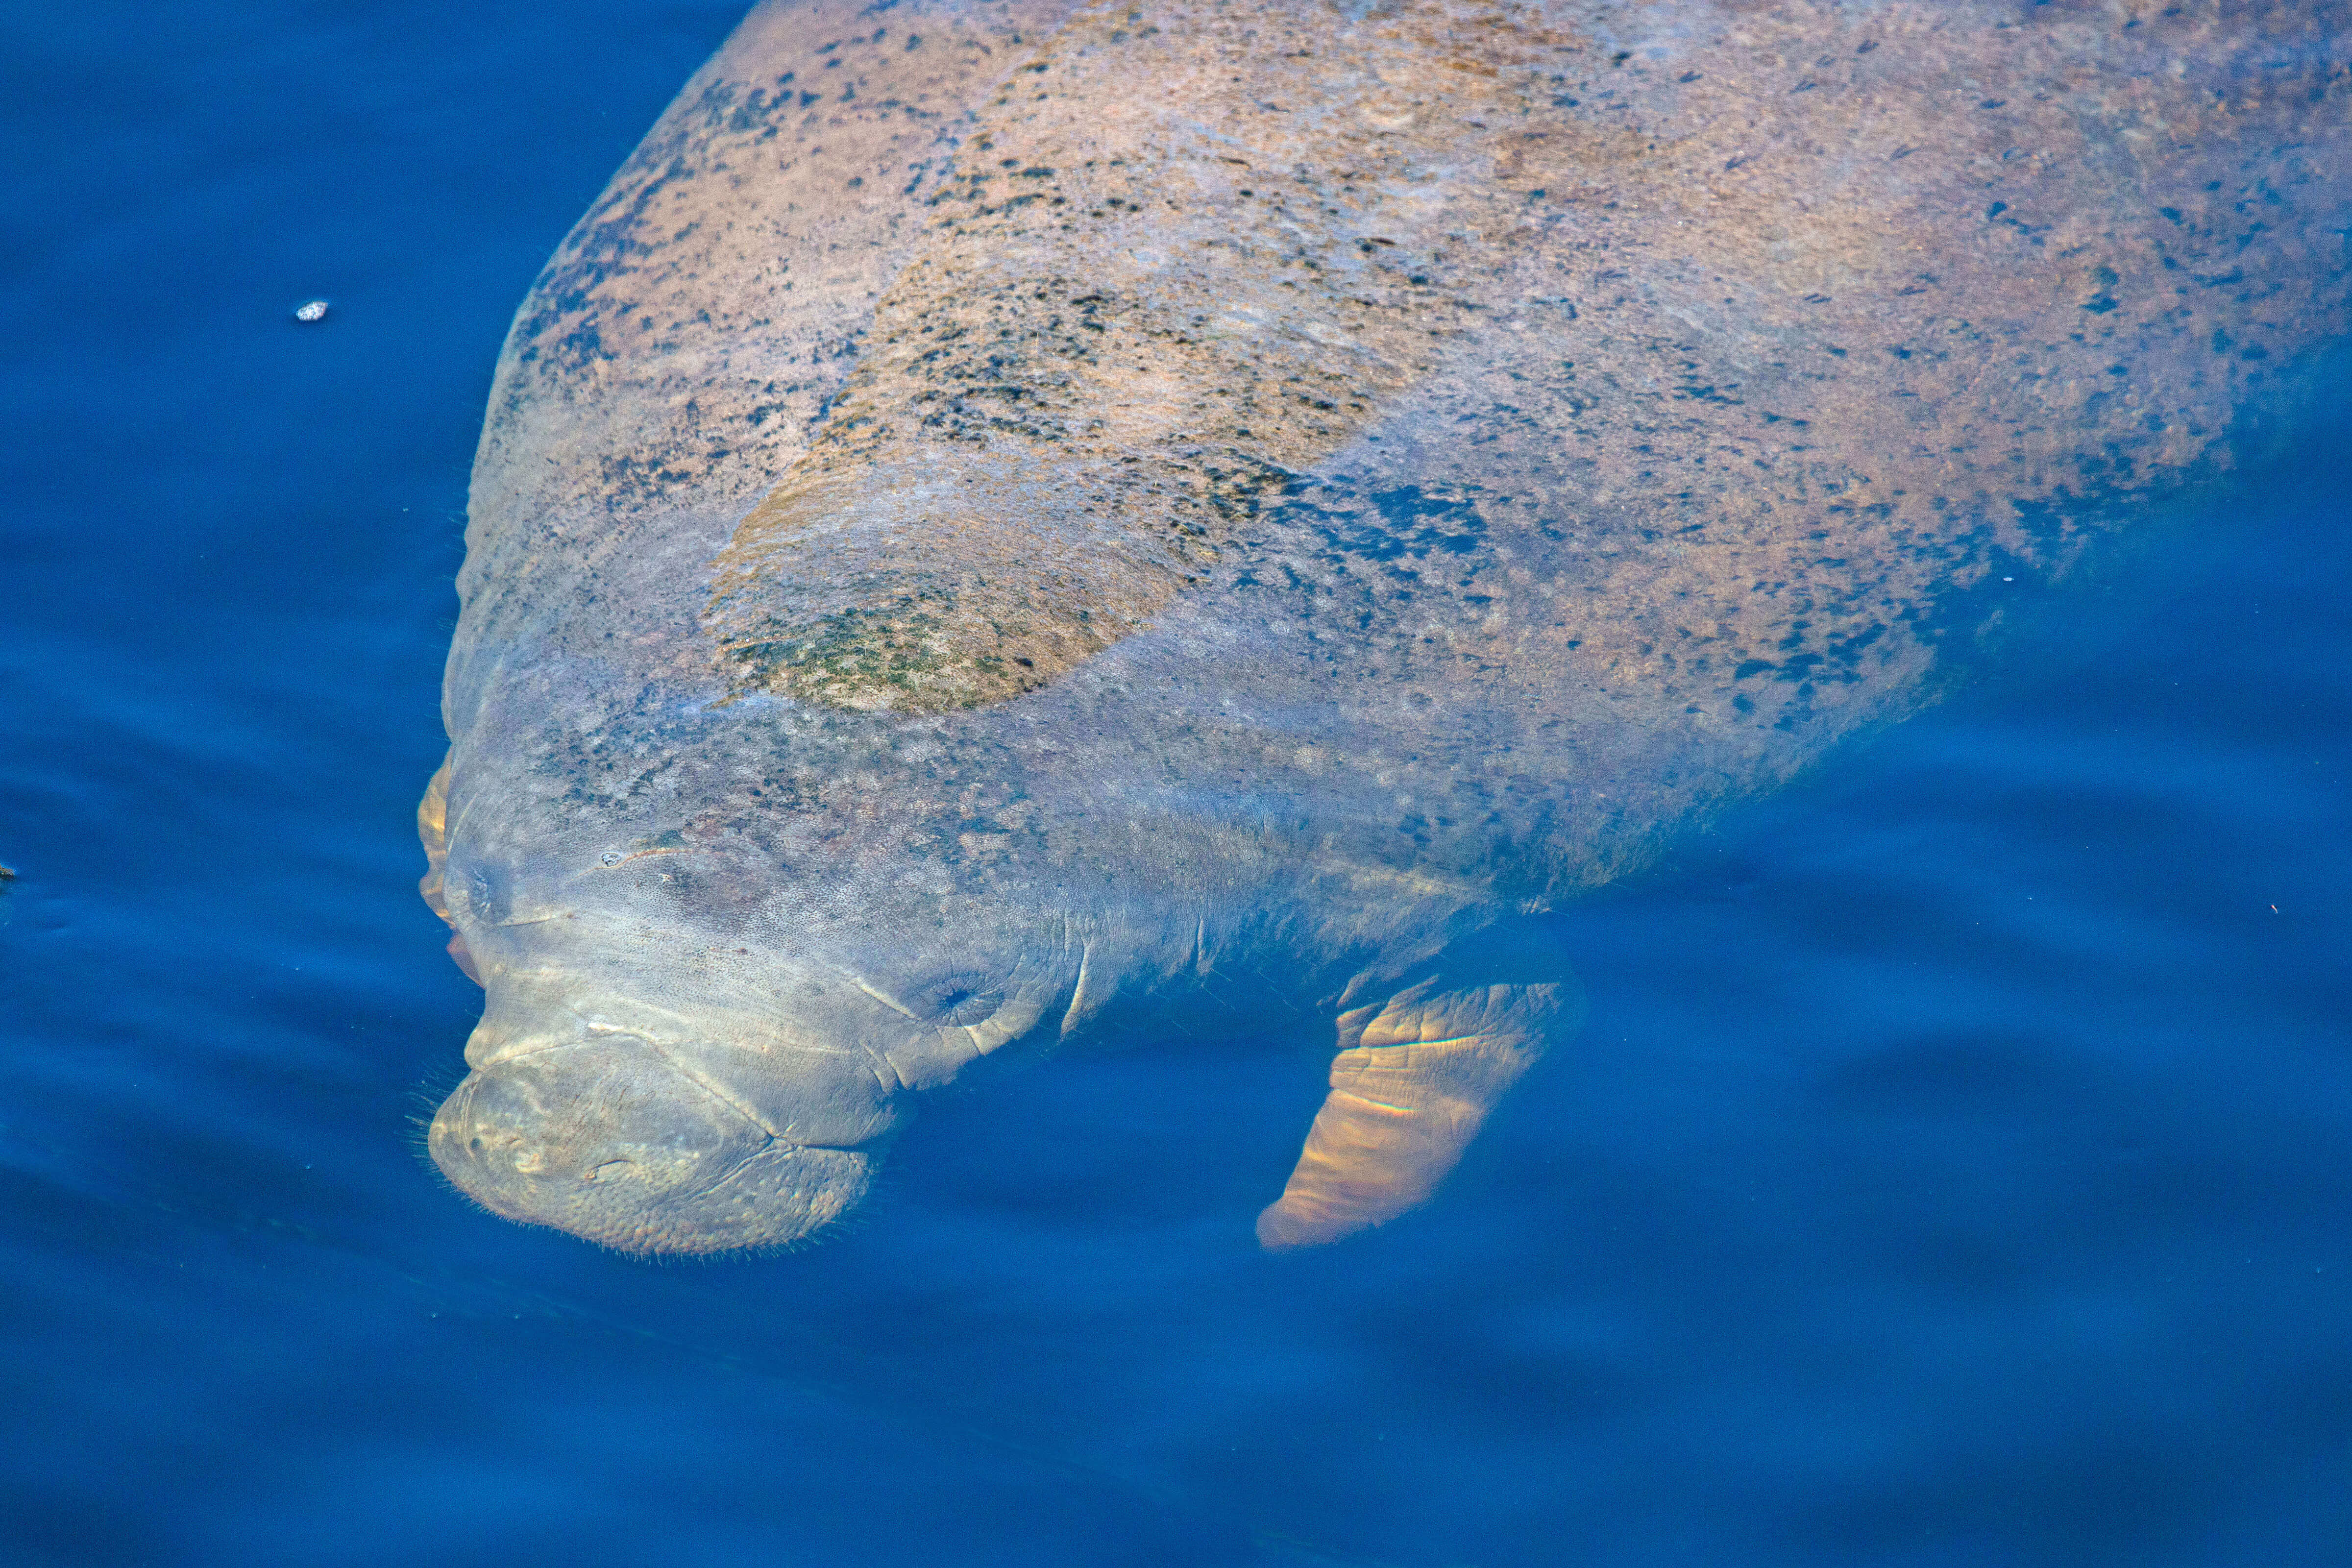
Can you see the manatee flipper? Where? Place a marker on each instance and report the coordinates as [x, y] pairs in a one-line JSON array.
[[433, 830], [1413, 1080]]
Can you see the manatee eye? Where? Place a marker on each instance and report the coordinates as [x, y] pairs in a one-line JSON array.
[[964, 1007], [961, 999], [486, 892], [611, 858]]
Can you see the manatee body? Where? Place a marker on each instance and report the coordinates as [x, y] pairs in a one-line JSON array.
[[1009, 519]]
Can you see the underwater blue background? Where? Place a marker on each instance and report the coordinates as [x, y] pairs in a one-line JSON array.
[[1956, 1168]]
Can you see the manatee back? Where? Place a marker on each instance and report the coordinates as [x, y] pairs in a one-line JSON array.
[[1697, 373]]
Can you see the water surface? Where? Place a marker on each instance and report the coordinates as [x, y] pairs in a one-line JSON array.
[[1952, 1172]]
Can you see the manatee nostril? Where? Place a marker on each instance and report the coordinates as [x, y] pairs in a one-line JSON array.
[[609, 1168]]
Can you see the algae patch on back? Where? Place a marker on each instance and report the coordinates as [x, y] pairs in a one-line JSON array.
[[930, 649], [1170, 269]]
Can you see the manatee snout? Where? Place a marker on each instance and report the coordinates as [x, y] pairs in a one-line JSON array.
[[608, 1139]]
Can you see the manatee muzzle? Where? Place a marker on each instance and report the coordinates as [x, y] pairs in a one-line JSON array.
[[609, 1140]]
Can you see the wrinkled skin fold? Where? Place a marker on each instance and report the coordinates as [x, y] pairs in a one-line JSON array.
[[1009, 524]]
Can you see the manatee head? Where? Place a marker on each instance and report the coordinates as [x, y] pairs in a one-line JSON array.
[[662, 1074]]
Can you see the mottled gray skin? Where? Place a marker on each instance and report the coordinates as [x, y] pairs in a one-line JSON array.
[[1707, 371]]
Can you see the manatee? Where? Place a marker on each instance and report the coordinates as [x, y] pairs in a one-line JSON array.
[[1012, 524]]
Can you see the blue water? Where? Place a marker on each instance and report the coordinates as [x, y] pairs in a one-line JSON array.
[[1953, 1171]]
